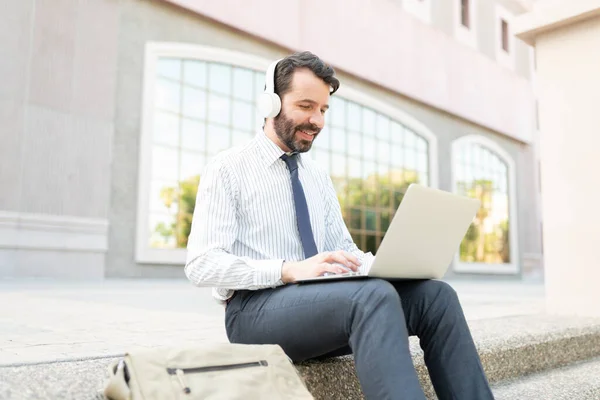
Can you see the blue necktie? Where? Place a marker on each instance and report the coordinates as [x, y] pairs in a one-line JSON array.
[[302, 216]]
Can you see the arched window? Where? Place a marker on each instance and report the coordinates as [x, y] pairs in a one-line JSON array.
[[200, 100], [483, 170]]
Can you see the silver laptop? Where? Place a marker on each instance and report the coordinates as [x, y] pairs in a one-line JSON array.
[[422, 239]]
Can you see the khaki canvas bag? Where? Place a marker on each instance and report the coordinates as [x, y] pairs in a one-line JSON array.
[[209, 372]]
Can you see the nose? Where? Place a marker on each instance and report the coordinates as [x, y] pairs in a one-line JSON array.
[[317, 118]]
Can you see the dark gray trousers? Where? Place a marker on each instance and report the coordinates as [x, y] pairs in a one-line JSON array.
[[372, 319]]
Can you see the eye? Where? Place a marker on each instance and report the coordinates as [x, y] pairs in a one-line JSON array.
[[323, 111], [304, 107]]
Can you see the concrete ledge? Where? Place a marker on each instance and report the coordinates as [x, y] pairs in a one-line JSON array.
[[509, 347]]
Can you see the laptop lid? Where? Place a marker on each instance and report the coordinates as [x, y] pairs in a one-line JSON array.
[[424, 234]]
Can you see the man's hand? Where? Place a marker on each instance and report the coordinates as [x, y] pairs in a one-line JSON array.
[[318, 265]]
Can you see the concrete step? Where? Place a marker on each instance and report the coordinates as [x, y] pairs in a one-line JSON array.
[[510, 347], [580, 381]]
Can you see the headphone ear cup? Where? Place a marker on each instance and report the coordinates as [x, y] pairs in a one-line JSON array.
[[269, 105]]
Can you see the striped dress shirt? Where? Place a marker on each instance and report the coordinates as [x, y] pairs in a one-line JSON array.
[[244, 223]]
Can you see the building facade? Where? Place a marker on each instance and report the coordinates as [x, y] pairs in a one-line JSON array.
[[112, 108]]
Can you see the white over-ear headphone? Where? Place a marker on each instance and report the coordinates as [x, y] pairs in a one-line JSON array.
[[269, 103]]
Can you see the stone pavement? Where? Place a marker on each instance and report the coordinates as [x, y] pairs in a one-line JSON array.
[[45, 320]]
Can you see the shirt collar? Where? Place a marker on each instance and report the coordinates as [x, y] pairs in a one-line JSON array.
[[270, 151]]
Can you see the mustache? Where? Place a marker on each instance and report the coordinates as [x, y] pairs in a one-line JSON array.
[[309, 128]]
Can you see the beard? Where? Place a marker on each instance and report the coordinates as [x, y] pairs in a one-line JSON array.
[[286, 132]]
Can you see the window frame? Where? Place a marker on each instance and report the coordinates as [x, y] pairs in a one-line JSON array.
[[155, 50], [485, 268], [467, 36]]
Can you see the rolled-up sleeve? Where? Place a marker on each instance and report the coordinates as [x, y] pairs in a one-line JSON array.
[[214, 230]]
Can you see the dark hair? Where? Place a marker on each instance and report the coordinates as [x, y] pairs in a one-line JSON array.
[[286, 67]]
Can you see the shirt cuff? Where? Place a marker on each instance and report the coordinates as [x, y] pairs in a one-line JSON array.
[[268, 272]]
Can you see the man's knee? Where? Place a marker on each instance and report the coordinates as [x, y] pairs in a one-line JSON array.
[[377, 292], [440, 294]]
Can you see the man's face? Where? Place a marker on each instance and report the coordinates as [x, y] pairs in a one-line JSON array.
[[302, 113]]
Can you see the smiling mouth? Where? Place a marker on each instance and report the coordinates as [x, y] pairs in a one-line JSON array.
[[307, 135]]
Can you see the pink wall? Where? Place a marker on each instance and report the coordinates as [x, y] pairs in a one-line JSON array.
[[377, 41]]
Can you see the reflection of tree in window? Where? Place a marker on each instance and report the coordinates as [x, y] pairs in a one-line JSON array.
[[195, 102], [481, 174], [372, 159]]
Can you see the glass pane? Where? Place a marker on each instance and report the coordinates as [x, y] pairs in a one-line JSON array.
[[243, 84], [369, 171], [166, 129], [371, 220], [383, 153], [194, 103], [164, 163], [163, 197], [337, 112], [218, 139], [369, 148], [259, 83], [357, 238], [422, 162], [398, 196], [338, 139], [354, 167], [383, 127], [353, 114], [355, 218], [241, 137], [193, 135], [410, 139], [162, 230], [371, 245], [424, 179], [411, 159], [397, 155], [368, 123], [354, 144], [169, 68], [385, 218], [338, 166], [219, 108], [242, 115], [355, 192], [167, 95], [397, 133], [322, 139], [422, 145], [194, 73], [219, 78], [191, 165], [322, 158], [383, 171]]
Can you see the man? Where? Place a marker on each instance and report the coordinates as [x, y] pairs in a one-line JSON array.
[[267, 215]]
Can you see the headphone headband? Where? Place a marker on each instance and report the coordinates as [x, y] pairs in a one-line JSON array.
[[270, 77]]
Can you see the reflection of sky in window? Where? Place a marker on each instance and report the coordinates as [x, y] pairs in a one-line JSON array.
[[397, 133], [219, 108], [194, 103], [194, 73], [242, 114], [166, 129], [167, 95], [219, 78], [243, 84], [191, 164], [164, 163], [169, 68], [193, 134], [368, 122]]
